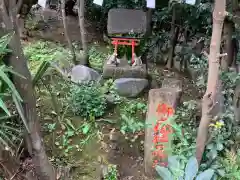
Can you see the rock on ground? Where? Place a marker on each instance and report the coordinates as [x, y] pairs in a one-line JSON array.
[[80, 74], [130, 87]]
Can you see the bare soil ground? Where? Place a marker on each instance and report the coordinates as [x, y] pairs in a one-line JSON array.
[[52, 27]]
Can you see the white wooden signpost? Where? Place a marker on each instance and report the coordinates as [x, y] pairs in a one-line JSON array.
[[98, 2], [42, 3], [151, 4], [191, 2]]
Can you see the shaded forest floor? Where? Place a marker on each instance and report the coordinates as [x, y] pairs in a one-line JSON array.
[[105, 144], [108, 146], [112, 147]]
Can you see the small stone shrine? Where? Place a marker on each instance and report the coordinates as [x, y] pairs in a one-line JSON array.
[[131, 24]]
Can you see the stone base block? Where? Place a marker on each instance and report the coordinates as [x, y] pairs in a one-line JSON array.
[[115, 72]]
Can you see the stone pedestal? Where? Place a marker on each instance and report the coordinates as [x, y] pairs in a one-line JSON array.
[[124, 70]]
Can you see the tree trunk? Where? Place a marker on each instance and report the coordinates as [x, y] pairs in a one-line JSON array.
[[43, 167], [149, 22], [24, 86], [235, 45], [69, 5], [209, 99], [71, 47], [174, 35], [103, 23], [81, 7], [227, 44], [23, 8]]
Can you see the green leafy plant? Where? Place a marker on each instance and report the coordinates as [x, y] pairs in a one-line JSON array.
[[112, 173], [4, 41], [51, 126], [231, 163], [177, 170], [223, 131], [97, 58], [31, 23], [42, 52], [9, 133], [130, 125], [199, 65], [155, 46], [131, 115], [109, 89], [220, 135], [65, 134], [65, 140], [185, 133], [87, 100], [7, 129]]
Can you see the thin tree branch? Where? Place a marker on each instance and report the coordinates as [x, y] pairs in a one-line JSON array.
[[81, 4], [66, 33], [4, 12], [18, 6], [13, 16]]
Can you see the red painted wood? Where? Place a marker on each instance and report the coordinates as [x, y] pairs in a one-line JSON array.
[[127, 42]]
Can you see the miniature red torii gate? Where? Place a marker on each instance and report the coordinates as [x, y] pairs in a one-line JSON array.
[[125, 41]]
